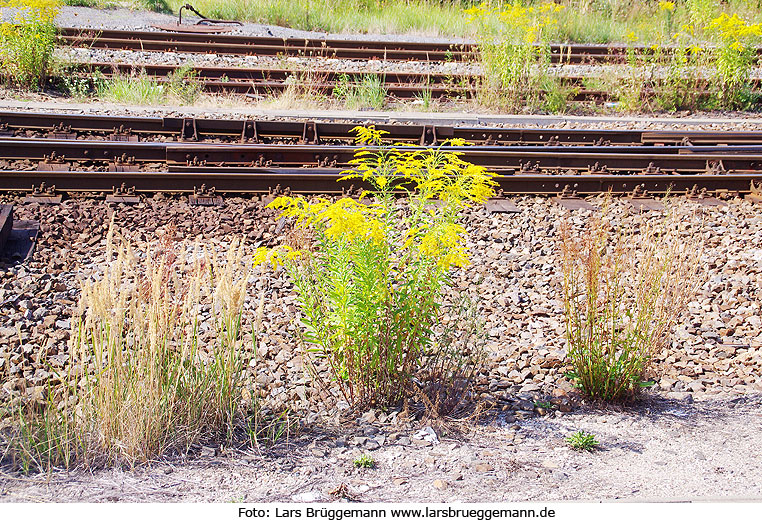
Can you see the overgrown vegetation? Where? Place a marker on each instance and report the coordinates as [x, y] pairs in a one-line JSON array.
[[368, 16], [601, 21], [514, 54], [148, 376], [697, 67], [362, 92], [620, 308], [180, 87], [370, 275], [27, 40]]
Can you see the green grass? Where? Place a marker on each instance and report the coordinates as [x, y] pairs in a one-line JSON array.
[[365, 461], [363, 92], [582, 441], [339, 16], [581, 20]]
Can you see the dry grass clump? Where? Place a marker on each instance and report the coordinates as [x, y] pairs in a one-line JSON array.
[[159, 359], [623, 291]]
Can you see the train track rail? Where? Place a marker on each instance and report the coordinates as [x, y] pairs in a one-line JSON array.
[[226, 44], [269, 81], [233, 157], [135, 129], [274, 181], [549, 159]]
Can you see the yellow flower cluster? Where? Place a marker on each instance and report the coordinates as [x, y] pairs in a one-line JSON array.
[[32, 11], [734, 30], [345, 219], [529, 20], [427, 231], [666, 6]]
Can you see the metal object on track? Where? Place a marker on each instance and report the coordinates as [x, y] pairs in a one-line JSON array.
[[123, 194], [205, 25], [6, 224], [205, 196], [640, 201], [42, 193], [703, 197], [755, 196], [569, 199]]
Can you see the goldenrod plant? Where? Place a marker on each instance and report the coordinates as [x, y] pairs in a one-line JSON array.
[[514, 52], [370, 273], [27, 41], [623, 292], [734, 58]]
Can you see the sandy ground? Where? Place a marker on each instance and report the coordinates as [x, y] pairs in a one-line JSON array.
[[659, 450]]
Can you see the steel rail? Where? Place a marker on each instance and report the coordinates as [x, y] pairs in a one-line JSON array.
[[314, 132], [325, 181], [270, 81], [555, 159], [252, 130], [227, 44]]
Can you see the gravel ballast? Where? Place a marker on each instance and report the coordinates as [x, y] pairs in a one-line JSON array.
[[692, 435]]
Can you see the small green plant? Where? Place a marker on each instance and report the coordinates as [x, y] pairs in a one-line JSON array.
[[623, 291], [582, 441], [132, 89], [366, 91], [183, 84], [543, 404], [425, 98], [365, 461]]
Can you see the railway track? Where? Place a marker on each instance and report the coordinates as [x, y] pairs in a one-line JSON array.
[[225, 44], [269, 81], [39, 150]]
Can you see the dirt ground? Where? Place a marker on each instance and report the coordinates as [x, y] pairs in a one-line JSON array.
[[661, 449]]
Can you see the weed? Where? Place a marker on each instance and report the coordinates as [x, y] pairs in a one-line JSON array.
[[158, 360], [132, 89], [27, 41], [304, 89], [620, 307], [183, 84], [582, 441], [365, 461], [366, 91], [369, 276], [424, 97], [734, 58], [337, 16], [514, 53]]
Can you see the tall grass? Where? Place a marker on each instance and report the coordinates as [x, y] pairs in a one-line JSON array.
[[582, 21], [158, 360], [623, 291], [337, 16], [181, 87], [361, 92]]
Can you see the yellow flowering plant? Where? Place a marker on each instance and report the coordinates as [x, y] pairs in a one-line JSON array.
[[734, 59], [370, 273], [27, 40], [515, 52]]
